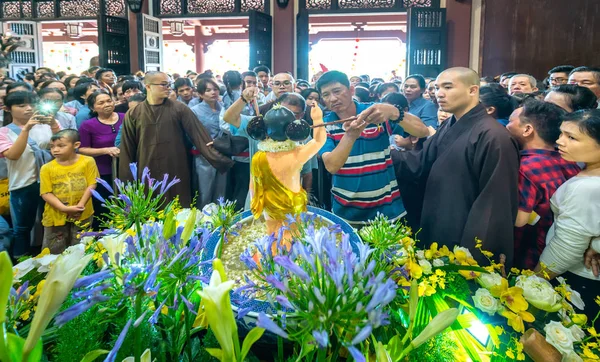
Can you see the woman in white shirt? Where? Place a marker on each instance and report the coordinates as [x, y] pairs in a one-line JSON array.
[[576, 208]]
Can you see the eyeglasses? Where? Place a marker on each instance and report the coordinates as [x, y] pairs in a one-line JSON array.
[[164, 85], [286, 83]]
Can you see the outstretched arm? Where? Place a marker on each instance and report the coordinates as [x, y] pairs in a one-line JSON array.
[[307, 151]]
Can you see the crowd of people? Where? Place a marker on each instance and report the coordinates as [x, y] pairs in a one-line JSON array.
[[510, 160]]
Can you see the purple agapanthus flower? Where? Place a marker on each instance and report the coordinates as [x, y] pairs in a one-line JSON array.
[[113, 353], [265, 322]]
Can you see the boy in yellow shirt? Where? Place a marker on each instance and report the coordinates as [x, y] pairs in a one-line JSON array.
[[66, 184]]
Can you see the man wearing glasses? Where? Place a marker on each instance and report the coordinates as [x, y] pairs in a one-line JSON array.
[[155, 134], [282, 83], [559, 75]]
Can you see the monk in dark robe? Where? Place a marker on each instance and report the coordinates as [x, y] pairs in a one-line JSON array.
[[155, 134], [467, 173]]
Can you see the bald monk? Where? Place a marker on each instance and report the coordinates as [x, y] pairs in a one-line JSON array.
[[467, 172], [156, 134]]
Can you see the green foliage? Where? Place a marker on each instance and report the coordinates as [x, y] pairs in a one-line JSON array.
[[150, 337], [81, 335], [457, 287], [439, 348], [91, 331]]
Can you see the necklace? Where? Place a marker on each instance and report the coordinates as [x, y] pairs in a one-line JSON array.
[[270, 145]]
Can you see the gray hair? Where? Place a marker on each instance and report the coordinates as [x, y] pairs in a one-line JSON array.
[[531, 78]]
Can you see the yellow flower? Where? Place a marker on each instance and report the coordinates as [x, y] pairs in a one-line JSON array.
[[415, 270], [130, 232], [25, 315], [520, 355], [527, 272], [432, 251], [592, 332], [591, 345], [425, 289], [489, 268], [515, 271], [515, 320], [44, 252], [589, 354], [469, 274], [39, 288], [579, 319], [499, 330], [511, 297], [510, 353], [597, 300], [487, 254]]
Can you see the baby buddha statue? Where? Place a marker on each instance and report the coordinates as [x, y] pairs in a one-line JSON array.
[[275, 182]]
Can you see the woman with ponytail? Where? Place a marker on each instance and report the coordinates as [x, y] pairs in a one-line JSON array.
[[233, 83]]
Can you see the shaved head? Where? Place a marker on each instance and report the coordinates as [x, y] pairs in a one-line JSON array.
[[150, 77], [466, 76], [457, 90]]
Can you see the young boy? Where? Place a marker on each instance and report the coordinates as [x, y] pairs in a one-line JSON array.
[[66, 184]]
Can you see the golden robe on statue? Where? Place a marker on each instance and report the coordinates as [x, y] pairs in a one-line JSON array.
[[270, 195]]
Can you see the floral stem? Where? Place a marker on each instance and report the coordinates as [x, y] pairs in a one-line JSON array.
[[188, 327], [322, 354], [137, 335], [279, 349], [138, 230], [221, 242]]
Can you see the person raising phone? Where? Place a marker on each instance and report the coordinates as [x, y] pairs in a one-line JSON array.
[[24, 143]]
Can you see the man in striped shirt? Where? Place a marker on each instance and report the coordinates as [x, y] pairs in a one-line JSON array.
[[357, 154]]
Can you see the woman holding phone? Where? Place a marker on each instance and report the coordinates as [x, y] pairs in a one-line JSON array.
[[24, 143]]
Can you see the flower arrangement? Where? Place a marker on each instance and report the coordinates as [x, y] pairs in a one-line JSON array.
[[141, 290]]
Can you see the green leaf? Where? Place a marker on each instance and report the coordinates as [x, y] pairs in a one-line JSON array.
[[15, 349], [252, 336], [92, 355], [306, 349], [216, 353], [454, 268]]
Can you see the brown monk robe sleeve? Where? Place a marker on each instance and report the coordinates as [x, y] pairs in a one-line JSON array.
[[128, 147], [494, 211], [200, 137]]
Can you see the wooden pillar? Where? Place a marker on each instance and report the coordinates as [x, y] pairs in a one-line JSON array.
[[133, 37], [458, 19], [199, 48], [284, 35]]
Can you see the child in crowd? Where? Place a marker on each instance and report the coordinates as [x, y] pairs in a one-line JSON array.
[[24, 144], [66, 184]]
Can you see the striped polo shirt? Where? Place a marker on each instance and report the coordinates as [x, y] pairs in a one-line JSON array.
[[366, 184]]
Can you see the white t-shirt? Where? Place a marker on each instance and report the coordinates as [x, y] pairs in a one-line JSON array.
[[576, 208], [23, 172]]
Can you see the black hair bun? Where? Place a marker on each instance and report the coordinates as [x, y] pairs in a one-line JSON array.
[[277, 120], [256, 128], [299, 130]]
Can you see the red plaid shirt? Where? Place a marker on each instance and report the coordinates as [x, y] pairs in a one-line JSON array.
[[540, 174]]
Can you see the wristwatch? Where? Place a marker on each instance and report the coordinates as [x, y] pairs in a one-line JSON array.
[[400, 115]]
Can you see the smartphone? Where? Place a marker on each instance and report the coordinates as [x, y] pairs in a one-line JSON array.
[[46, 109]]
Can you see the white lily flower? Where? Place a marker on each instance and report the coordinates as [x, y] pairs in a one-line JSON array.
[[24, 267], [217, 309], [146, 357], [441, 321], [59, 282], [45, 262], [114, 244]]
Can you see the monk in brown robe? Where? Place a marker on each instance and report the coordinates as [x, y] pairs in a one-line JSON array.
[[468, 173], [156, 134]]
